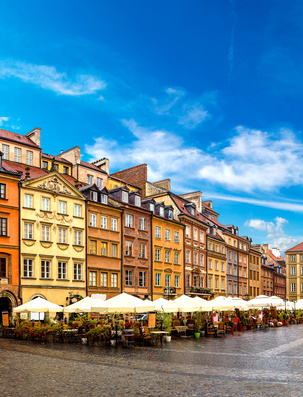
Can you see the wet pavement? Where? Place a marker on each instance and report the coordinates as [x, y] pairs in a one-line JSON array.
[[257, 363]]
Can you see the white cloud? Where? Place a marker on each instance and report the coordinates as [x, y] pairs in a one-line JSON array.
[[2, 119], [192, 116], [49, 78], [275, 234]]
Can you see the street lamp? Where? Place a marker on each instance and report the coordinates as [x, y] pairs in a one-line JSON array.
[[285, 301], [246, 297]]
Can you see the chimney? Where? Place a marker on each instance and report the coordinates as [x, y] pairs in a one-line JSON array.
[[27, 174], [164, 184], [103, 164], [209, 203], [34, 135], [265, 247], [194, 197], [73, 155]]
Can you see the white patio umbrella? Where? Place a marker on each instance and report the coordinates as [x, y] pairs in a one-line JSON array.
[[203, 303], [240, 303], [84, 305], [159, 303], [276, 301], [182, 304], [299, 304], [221, 303], [38, 305], [124, 303], [259, 302]]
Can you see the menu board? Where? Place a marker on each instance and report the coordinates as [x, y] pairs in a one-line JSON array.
[[5, 320], [151, 320]]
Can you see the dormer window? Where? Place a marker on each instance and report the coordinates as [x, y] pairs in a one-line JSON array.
[[192, 210], [104, 198], [170, 214], [94, 196], [124, 196], [161, 211], [99, 182], [152, 207], [89, 179], [138, 201]]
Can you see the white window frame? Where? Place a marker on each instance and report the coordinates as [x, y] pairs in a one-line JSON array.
[[167, 234], [103, 222], [114, 280], [5, 150], [167, 256], [104, 198], [142, 250], [62, 270], [142, 278], [93, 220], [124, 196], [17, 155], [114, 224], [157, 279], [77, 237], [176, 237], [77, 210], [29, 157], [93, 278], [78, 271], [99, 182], [129, 220], [62, 207], [137, 200], [45, 233], [128, 248], [28, 268], [129, 279], [62, 235], [28, 200], [45, 268], [176, 258], [142, 223], [158, 254], [158, 232], [45, 204], [103, 279], [28, 230], [177, 281]]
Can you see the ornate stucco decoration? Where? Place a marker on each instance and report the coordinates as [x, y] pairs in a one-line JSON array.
[[54, 186], [56, 218]]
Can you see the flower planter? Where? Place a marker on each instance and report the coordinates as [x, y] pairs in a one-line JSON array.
[[197, 335], [167, 338]]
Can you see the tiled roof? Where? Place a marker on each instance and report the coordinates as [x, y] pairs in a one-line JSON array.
[[180, 203], [253, 249], [8, 167], [123, 181], [33, 171], [296, 248], [216, 222], [92, 166], [58, 158], [209, 209], [12, 136], [267, 266], [275, 258], [217, 236]]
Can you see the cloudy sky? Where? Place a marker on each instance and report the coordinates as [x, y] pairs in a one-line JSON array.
[[208, 93]]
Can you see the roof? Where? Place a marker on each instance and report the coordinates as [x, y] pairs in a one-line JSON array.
[[181, 202], [255, 250], [267, 266], [275, 258], [217, 236], [217, 223], [12, 136], [209, 209], [122, 180], [58, 158], [92, 166], [296, 248]]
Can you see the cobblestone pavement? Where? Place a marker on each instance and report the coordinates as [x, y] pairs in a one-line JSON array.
[[257, 363]]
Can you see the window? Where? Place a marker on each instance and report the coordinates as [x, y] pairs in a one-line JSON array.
[[158, 232], [167, 234], [177, 281], [209, 282], [244, 273], [2, 267], [62, 235], [301, 270], [103, 279], [244, 260], [114, 280], [137, 201], [201, 281], [201, 259], [62, 267], [167, 256], [244, 289], [187, 256], [2, 190], [187, 280], [216, 248], [45, 269], [93, 220], [114, 224], [114, 250], [5, 150], [94, 196], [201, 237], [176, 237], [301, 287], [157, 279], [293, 258], [124, 197], [128, 248], [222, 284], [93, 278], [56, 167], [240, 289], [93, 247], [142, 279], [29, 157], [45, 233], [142, 250], [152, 207], [45, 204], [3, 227], [128, 220], [28, 201], [195, 234], [210, 264], [157, 254], [77, 271], [77, 210], [62, 207], [103, 248], [78, 237], [27, 268], [222, 266], [128, 277], [187, 232], [28, 231], [99, 182], [170, 214], [161, 211], [65, 170], [176, 258], [104, 198], [229, 288], [293, 287], [195, 258], [240, 272], [216, 283], [167, 280], [103, 222], [293, 271], [89, 179], [301, 257], [17, 155], [142, 223]]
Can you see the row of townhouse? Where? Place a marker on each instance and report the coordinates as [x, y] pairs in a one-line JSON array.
[[69, 228]]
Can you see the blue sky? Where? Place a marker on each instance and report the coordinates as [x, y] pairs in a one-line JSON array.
[[208, 93]]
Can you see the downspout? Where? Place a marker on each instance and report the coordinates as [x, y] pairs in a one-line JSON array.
[[19, 289], [206, 260], [238, 274], [122, 251], [152, 259], [86, 231], [184, 258]]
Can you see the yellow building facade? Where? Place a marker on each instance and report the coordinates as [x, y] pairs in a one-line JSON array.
[[216, 263], [53, 238]]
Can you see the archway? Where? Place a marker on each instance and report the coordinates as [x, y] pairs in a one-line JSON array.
[[5, 306]]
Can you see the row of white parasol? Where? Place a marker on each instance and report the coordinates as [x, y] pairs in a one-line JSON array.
[[125, 303]]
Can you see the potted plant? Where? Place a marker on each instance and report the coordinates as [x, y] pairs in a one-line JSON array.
[[243, 322], [167, 324], [198, 325]]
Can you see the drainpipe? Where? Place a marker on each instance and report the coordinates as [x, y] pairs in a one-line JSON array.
[[122, 251], [152, 258], [184, 263], [86, 231], [19, 289], [238, 274]]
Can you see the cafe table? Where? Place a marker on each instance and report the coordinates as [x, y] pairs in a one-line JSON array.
[[159, 334]]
